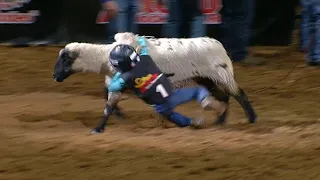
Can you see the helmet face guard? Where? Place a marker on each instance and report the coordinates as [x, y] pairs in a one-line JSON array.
[[115, 64]]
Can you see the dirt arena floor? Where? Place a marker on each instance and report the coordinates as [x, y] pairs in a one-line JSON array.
[[44, 127]]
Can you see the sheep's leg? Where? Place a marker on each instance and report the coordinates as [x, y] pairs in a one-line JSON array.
[[116, 110], [113, 100], [222, 118], [220, 96], [217, 93], [103, 122], [243, 100]]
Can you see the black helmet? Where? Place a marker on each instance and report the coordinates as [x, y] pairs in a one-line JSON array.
[[123, 57]]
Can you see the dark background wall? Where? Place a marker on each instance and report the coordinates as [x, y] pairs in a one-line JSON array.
[[273, 23]]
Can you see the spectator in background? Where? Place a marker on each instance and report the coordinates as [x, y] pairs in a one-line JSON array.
[[121, 14], [46, 23], [310, 30], [237, 18], [180, 12], [112, 10]]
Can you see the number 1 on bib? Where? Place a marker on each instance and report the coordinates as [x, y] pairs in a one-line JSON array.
[[160, 89]]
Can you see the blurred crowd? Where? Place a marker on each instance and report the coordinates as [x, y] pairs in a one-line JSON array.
[[236, 26], [237, 21], [310, 31]]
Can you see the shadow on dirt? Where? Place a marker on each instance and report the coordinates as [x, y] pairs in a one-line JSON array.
[[88, 118], [141, 121], [266, 127]]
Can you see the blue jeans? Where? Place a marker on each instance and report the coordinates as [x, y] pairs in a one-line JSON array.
[[184, 11], [125, 21], [237, 19], [178, 97], [310, 28]]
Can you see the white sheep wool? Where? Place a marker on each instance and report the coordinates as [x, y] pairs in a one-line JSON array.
[[185, 57], [188, 58]]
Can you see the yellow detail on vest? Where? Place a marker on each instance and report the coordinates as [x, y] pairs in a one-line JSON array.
[[141, 81]]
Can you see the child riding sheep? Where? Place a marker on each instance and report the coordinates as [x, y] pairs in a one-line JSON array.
[[140, 74]]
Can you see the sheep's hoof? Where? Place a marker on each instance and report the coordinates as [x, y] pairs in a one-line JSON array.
[[221, 120], [97, 130]]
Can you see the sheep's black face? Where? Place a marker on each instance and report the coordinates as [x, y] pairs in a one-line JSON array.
[[63, 67]]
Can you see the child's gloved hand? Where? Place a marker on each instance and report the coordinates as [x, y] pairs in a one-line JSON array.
[[116, 77], [143, 45], [116, 83]]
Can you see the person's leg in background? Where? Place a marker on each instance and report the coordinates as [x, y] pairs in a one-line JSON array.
[[305, 24], [111, 7], [237, 20], [123, 14], [124, 21], [314, 52], [172, 27], [132, 21], [226, 25], [198, 28], [111, 28]]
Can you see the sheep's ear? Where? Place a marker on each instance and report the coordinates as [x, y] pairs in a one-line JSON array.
[[124, 37], [127, 35], [61, 51], [73, 54], [118, 36]]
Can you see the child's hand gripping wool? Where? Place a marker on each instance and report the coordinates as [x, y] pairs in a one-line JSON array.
[[141, 75]]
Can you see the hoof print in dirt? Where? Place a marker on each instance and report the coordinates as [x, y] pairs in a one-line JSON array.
[[120, 115], [96, 131]]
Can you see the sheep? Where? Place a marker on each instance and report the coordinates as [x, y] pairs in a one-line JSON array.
[[203, 61]]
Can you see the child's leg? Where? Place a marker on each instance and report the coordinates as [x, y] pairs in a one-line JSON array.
[[201, 94], [181, 96], [178, 119], [185, 95], [166, 110], [183, 121]]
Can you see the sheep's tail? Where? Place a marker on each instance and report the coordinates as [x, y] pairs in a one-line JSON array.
[[222, 75], [226, 81]]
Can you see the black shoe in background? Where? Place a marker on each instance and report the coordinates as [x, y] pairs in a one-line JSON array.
[[20, 42]]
